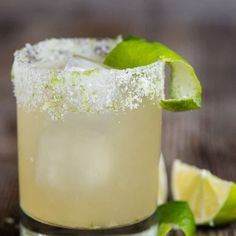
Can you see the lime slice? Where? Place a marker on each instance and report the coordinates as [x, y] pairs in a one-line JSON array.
[[185, 88], [163, 185], [212, 200], [175, 215]]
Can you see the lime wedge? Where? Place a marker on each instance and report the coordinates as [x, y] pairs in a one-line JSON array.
[[185, 88], [175, 215], [212, 200]]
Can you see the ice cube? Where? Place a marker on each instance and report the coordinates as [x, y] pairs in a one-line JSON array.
[[84, 160], [82, 64]]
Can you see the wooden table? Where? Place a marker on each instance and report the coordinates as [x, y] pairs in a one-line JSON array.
[[206, 138]]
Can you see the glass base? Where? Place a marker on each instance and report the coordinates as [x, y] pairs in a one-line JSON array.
[[31, 227]]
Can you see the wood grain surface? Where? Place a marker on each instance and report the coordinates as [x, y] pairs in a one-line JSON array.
[[203, 31]]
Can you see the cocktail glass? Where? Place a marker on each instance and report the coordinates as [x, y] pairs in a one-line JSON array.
[[85, 162]]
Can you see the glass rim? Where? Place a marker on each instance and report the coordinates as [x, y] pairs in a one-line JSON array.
[[42, 80]]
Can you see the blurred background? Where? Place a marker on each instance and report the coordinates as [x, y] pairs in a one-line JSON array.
[[203, 31]]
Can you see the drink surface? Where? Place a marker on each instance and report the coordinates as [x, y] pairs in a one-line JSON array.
[[89, 170]]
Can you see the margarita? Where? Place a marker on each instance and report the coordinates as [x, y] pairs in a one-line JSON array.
[[97, 167], [89, 133]]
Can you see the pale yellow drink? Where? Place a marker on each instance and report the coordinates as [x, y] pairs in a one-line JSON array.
[[89, 170], [88, 135]]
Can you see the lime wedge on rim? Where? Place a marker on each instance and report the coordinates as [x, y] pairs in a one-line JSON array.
[[185, 88], [175, 215], [212, 200]]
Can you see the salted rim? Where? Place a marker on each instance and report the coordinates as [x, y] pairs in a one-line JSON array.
[[41, 80]]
